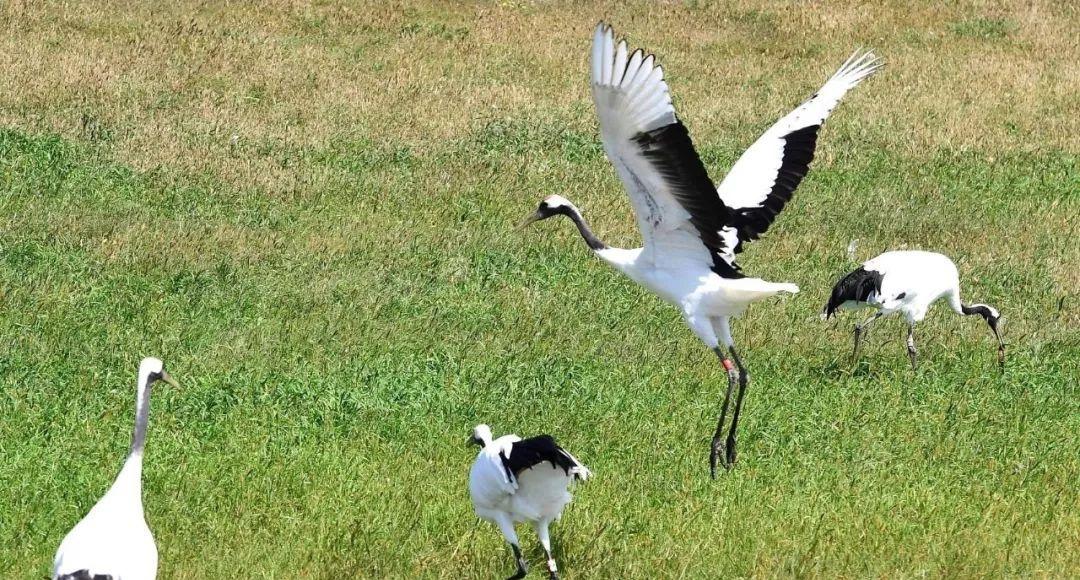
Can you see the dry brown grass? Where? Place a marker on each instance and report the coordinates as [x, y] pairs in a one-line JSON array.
[[172, 85]]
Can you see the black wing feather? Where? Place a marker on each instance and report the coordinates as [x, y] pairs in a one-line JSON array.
[[799, 146], [671, 152], [528, 453], [857, 286], [84, 575]]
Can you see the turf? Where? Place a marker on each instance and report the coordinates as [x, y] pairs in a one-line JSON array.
[[307, 211]]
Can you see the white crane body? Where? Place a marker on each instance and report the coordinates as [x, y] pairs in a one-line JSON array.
[[907, 282], [113, 541], [522, 480]]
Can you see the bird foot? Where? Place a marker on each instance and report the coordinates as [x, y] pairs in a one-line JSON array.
[[728, 454]]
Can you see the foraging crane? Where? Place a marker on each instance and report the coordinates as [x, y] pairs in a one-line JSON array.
[[907, 282], [511, 481], [113, 541], [691, 228]]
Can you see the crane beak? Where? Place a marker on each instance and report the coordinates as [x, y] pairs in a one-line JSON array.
[[168, 379], [534, 217]]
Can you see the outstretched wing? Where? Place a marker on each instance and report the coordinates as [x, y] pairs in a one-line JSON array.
[[762, 181], [678, 212]]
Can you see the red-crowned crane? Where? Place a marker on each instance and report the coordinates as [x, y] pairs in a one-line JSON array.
[[515, 480], [907, 282], [113, 540], [691, 228]]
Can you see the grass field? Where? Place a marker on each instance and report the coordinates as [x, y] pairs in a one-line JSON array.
[[307, 210]]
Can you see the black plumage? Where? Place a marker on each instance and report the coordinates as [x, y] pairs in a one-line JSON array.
[[857, 286], [671, 152], [528, 453], [84, 575], [799, 146]]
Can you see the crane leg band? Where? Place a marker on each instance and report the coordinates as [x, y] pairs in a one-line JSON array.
[[727, 365]]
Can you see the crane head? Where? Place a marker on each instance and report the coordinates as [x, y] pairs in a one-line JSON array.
[[552, 205]]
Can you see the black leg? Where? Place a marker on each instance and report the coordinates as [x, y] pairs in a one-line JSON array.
[[859, 328], [521, 568], [1001, 344], [855, 351], [911, 345], [719, 433], [744, 380]]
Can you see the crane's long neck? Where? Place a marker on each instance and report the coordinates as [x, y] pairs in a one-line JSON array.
[[128, 484], [594, 243], [983, 310], [142, 416]]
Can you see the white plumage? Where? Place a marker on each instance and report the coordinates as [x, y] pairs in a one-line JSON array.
[[522, 480], [113, 541], [691, 228], [906, 282]]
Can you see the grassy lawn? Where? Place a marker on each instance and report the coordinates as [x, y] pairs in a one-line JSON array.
[[307, 210]]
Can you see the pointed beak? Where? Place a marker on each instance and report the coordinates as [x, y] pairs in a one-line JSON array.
[[534, 217], [168, 379]]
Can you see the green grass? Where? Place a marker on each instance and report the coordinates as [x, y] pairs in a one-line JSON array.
[[341, 294]]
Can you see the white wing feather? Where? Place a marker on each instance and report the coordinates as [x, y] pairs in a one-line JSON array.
[[751, 179], [632, 98]]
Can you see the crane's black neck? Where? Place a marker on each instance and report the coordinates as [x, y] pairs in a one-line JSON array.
[[981, 310], [590, 238]]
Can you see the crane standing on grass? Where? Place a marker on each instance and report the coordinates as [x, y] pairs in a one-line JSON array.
[[113, 541], [515, 479], [907, 282], [691, 228]]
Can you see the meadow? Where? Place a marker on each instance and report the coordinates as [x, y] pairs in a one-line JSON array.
[[307, 210]]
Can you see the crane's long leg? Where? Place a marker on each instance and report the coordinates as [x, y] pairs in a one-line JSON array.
[[744, 380], [521, 568], [506, 526], [859, 328], [911, 345], [1001, 343], [545, 541], [719, 433]]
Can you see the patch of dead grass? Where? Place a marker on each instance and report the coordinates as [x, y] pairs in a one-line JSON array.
[[178, 85]]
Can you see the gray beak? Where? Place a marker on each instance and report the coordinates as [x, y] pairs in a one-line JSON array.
[[168, 379], [534, 217]]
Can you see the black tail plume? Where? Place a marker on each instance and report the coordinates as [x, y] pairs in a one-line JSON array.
[[855, 287]]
